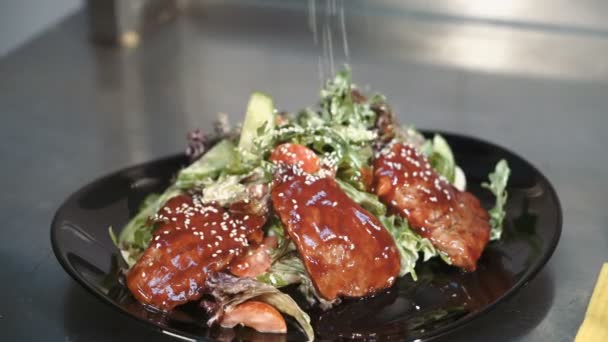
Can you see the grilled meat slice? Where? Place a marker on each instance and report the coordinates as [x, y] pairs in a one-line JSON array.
[[454, 221], [191, 240], [346, 250]]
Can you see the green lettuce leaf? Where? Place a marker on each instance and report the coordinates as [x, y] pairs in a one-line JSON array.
[[136, 235], [368, 201], [230, 291], [441, 158], [409, 244], [288, 270], [498, 185]]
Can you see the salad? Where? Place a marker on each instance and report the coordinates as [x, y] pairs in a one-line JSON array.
[[338, 200]]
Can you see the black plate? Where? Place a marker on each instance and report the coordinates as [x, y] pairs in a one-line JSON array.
[[442, 299]]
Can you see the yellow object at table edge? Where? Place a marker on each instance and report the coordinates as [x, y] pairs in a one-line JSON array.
[[595, 323]]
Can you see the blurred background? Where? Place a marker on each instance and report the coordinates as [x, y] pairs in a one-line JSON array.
[[88, 87]]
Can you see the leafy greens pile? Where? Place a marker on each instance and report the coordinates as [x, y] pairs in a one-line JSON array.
[[342, 131]]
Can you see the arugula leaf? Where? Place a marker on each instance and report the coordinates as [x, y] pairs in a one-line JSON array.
[[338, 105], [498, 185]]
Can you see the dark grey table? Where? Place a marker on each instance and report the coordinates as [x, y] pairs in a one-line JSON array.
[[70, 112]]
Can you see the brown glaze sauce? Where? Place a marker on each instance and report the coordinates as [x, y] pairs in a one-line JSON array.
[[191, 240], [454, 221], [346, 250]]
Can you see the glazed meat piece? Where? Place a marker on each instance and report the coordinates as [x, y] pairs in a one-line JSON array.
[[346, 250], [191, 240], [454, 221]]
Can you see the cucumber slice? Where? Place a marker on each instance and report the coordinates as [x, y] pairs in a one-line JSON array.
[[209, 165], [260, 112]]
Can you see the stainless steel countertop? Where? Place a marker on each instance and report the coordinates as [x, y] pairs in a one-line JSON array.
[[72, 112]]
